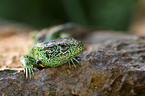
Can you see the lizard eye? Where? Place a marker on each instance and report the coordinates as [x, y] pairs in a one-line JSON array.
[[63, 46]]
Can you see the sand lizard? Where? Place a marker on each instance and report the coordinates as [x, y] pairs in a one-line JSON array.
[[51, 53]]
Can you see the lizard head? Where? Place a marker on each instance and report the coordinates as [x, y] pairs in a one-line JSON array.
[[61, 50]]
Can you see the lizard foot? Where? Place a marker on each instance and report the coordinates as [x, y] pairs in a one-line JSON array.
[[28, 72], [73, 61]]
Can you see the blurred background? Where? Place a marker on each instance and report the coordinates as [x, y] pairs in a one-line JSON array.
[[18, 18], [108, 14]]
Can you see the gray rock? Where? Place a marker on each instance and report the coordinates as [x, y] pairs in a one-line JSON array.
[[117, 69]]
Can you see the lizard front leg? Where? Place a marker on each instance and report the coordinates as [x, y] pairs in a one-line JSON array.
[[28, 64]]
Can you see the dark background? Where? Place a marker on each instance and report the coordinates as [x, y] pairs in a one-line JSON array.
[[110, 14]]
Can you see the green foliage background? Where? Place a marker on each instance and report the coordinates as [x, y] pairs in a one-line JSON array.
[[111, 14]]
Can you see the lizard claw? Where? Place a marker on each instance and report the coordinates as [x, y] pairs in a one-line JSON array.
[[73, 61], [28, 72]]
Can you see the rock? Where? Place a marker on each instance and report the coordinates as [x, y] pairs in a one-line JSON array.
[[111, 65], [117, 69]]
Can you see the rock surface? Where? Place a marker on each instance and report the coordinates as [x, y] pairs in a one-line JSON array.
[[110, 66]]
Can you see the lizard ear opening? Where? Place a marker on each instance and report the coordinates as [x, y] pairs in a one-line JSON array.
[[38, 62]]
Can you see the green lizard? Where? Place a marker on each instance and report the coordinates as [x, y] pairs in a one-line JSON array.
[[51, 53]]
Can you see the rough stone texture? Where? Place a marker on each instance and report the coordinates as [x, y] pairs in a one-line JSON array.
[[112, 64], [110, 67]]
